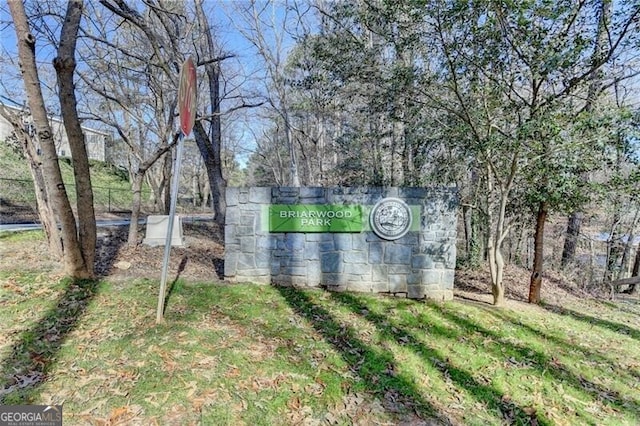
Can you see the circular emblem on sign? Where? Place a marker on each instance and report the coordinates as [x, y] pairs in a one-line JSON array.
[[390, 218]]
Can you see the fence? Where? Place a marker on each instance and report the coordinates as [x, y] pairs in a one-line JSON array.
[[18, 201]]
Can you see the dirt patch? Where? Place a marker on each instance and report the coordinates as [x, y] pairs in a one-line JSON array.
[[202, 260], [475, 285]]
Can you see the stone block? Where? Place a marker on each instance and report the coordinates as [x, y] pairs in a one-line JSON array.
[[421, 261], [294, 271], [230, 264], [232, 217], [417, 193], [342, 241], [246, 262], [294, 242], [332, 263], [416, 292], [372, 237], [352, 256], [431, 277], [312, 192], [313, 237], [380, 286], [397, 283], [356, 283], [396, 253], [157, 228], [325, 246], [363, 269], [260, 195], [448, 278], [379, 273], [231, 197], [359, 241], [248, 244], [312, 253], [275, 268], [334, 280], [399, 269], [414, 278], [244, 231], [264, 243], [314, 272], [263, 259], [248, 220], [376, 251], [438, 295], [243, 195]]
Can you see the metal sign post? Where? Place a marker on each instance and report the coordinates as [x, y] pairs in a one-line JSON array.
[[187, 108]]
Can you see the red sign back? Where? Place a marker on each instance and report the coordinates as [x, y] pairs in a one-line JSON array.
[[187, 96]]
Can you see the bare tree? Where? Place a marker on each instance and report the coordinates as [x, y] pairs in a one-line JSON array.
[[78, 251], [256, 25], [27, 141], [210, 145]]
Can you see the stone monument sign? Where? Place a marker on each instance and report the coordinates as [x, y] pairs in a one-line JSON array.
[[387, 240]]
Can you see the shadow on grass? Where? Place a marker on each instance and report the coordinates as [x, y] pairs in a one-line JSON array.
[[33, 356], [588, 354], [610, 325], [485, 394], [172, 286], [524, 356], [372, 365]]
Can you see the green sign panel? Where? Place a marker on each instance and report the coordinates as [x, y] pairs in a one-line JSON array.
[[315, 218]]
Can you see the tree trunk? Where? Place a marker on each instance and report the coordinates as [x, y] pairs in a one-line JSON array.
[[614, 249], [45, 210], [633, 288], [212, 150], [74, 264], [136, 189], [538, 254], [495, 239], [626, 252], [167, 172], [496, 266], [217, 184], [65, 65], [571, 239], [468, 230]]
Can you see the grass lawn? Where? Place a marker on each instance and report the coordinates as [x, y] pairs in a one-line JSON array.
[[248, 354]]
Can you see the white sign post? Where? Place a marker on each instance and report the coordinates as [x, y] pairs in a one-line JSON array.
[[187, 109]]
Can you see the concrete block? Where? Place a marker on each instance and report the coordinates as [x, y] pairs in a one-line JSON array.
[[156, 233]]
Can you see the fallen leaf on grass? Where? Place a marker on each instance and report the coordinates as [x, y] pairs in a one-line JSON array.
[[232, 372], [294, 403], [12, 286]]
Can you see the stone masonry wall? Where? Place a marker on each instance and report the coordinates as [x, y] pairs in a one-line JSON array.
[[418, 265]]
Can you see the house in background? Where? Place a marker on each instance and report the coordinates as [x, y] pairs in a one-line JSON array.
[[98, 142]]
